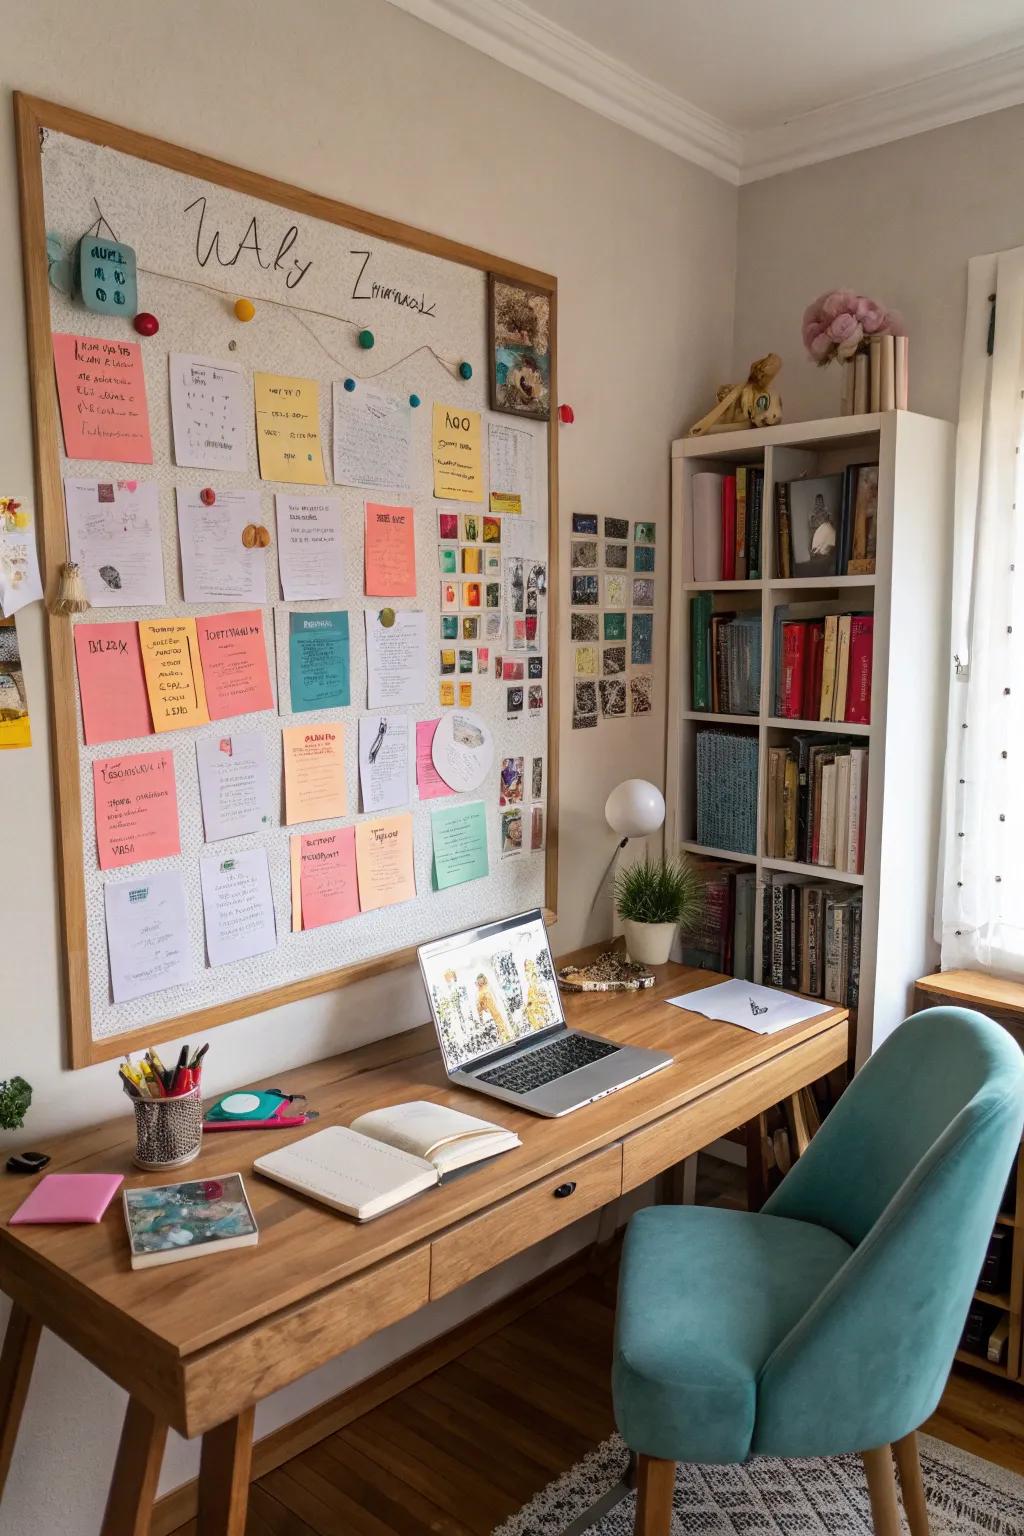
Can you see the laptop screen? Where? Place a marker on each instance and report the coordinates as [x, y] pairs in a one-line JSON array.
[[490, 987]]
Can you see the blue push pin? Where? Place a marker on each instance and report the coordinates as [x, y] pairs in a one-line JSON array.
[[466, 370], [350, 385], [414, 401]]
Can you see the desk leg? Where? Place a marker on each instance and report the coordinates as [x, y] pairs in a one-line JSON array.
[[225, 1466], [136, 1473], [16, 1362]]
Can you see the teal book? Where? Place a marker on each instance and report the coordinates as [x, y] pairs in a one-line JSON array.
[[700, 655], [186, 1221]]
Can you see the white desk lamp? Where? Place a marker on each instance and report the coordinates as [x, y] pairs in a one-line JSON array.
[[635, 808]]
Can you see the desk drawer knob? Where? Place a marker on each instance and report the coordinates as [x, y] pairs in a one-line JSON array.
[[565, 1190]]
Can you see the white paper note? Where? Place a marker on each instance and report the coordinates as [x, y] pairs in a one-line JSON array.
[[310, 553], [238, 906], [208, 411], [510, 455], [762, 1009], [216, 566], [114, 539], [521, 536], [19, 562], [396, 658], [234, 785], [462, 750], [372, 438], [147, 934], [387, 765]]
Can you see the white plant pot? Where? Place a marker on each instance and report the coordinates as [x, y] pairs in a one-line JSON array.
[[649, 943]]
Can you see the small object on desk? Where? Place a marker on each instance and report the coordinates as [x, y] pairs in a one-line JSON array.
[[268, 1110], [190, 1220], [611, 972], [27, 1162], [761, 1009], [68, 1197]]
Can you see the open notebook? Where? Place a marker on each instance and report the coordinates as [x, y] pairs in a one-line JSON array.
[[385, 1157]]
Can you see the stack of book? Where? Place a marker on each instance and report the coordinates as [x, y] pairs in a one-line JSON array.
[[827, 525], [726, 658], [726, 775], [722, 939], [816, 803], [726, 524], [822, 665], [811, 939]]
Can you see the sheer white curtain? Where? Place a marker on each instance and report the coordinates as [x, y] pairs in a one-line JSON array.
[[980, 905]]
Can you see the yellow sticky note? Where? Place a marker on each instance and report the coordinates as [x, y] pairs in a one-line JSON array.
[[446, 696], [288, 429], [174, 673], [465, 695], [458, 461], [314, 772], [384, 862], [505, 501]]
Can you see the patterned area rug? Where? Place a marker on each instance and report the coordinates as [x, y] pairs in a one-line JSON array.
[[966, 1497]]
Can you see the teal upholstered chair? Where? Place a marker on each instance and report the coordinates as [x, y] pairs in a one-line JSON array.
[[827, 1322]]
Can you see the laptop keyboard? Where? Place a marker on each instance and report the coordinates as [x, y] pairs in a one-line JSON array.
[[535, 1068]]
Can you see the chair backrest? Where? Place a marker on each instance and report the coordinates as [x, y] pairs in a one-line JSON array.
[[910, 1168]]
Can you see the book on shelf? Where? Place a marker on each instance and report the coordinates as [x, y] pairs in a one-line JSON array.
[[741, 524], [725, 653], [726, 524], [726, 784], [722, 937], [729, 528], [706, 525], [816, 802], [811, 940], [822, 665], [826, 525]]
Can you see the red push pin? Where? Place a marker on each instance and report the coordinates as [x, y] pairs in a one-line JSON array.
[[207, 497], [146, 324], [566, 415]]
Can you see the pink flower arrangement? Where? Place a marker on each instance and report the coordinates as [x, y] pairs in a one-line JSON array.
[[840, 323]]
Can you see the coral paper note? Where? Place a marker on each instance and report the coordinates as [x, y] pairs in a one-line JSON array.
[[314, 772], [102, 392], [136, 805], [325, 865], [234, 656], [390, 551], [111, 683]]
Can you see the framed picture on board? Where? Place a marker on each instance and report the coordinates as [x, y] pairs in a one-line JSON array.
[[519, 333]]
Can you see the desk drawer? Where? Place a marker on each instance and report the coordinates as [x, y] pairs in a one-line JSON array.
[[496, 1234]]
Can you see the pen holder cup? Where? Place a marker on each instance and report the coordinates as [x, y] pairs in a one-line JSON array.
[[168, 1132]]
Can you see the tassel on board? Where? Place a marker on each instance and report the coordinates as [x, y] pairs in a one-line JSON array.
[[71, 594]]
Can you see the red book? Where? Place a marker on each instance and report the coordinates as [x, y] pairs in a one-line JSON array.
[[794, 643], [813, 657], [729, 528], [858, 685]]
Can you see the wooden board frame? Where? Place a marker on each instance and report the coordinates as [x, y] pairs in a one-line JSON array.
[[32, 115]]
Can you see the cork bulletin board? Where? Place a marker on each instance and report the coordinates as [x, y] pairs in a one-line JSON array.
[[204, 234]]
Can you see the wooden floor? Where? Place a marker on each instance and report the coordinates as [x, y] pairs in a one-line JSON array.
[[462, 1450]]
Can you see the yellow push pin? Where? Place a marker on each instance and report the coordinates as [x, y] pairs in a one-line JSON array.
[[245, 309]]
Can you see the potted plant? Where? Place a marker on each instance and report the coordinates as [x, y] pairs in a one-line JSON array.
[[15, 1098], [653, 899]]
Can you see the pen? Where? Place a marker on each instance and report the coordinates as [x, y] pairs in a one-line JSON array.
[[196, 1061], [162, 1074], [181, 1080]]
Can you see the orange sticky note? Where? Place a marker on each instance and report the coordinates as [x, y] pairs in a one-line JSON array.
[[384, 862], [174, 673], [328, 890], [136, 807], [234, 657], [111, 682], [314, 772], [102, 393], [390, 548]]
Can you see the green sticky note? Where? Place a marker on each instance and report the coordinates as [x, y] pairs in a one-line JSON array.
[[459, 834], [318, 659]]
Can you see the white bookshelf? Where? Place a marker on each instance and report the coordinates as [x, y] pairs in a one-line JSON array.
[[909, 595]]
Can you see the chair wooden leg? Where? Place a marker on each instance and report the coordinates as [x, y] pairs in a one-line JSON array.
[[16, 1362], [912, 1485], [225, 1466], [885, 1513], [136, 1473], [654, 1483]]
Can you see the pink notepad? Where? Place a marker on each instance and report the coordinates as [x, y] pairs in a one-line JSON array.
[[68, 1197]]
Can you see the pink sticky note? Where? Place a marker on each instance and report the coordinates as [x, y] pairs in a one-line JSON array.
[[136, 806], [428, 781], [390, 548], [102, 392], [66, 1197], [329, 889], [235, 671], [115, 705]]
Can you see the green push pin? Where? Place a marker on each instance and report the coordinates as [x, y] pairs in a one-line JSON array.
[[387, 617], [366, 339], [465, 370]]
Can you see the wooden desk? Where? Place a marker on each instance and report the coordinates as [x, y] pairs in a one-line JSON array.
[[198, 1345]]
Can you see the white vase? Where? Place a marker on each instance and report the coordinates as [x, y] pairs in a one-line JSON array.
[[649, 943]]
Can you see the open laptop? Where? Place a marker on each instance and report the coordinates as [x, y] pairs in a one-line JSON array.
[[499, 1021]]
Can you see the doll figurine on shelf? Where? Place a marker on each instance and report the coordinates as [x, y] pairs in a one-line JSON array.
[[754, 403]]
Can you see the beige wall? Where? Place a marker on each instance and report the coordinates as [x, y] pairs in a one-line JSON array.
[[359, 101], [898, 223]]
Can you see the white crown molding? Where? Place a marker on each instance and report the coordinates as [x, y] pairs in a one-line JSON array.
[[514, 34]]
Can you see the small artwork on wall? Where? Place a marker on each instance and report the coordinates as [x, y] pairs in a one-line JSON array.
[[519, 329]]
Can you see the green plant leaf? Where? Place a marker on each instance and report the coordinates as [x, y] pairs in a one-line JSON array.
[[665, 890]]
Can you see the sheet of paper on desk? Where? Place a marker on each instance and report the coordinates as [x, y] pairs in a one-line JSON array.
[[762, 1009]]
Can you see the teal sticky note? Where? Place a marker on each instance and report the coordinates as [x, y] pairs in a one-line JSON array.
[[459, 835], [107, 277], [318, 660]]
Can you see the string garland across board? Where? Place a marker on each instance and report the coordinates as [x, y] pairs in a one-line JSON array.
[[144, 254]]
